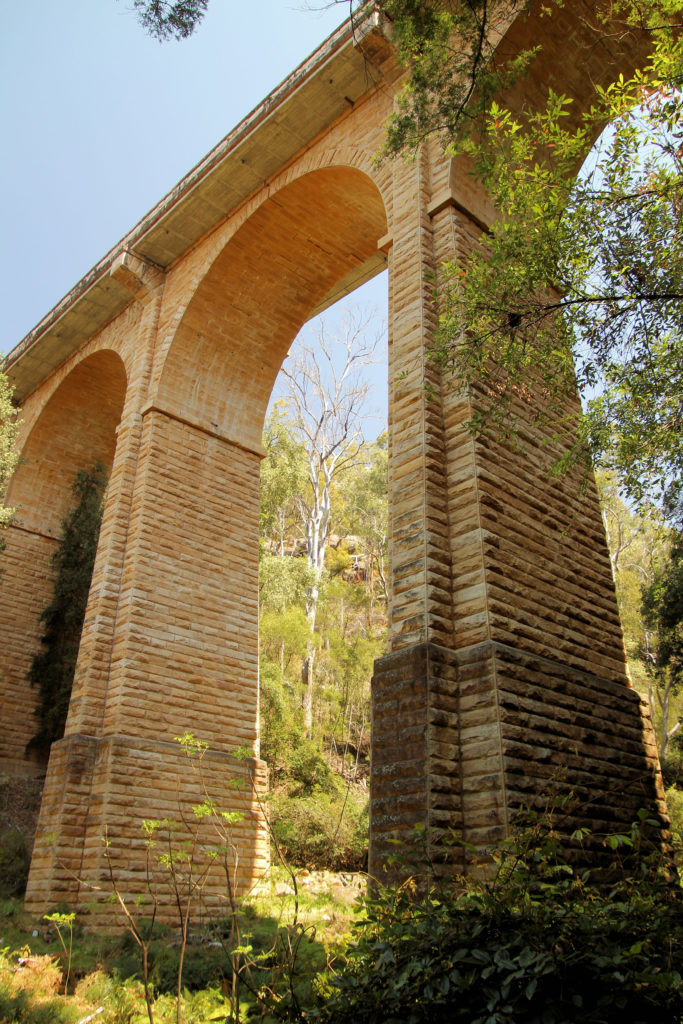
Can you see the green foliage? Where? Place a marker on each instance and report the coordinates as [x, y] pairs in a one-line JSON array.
[[663, 615], [202, 968], [15, 860], [535, 943], [9, 456], [19, 1008], [643, 550], [674, 803], [320, 628], [663, 608], [170, 19], [608, 241], [281, 719], [294, 760], [538, 944], [322, 827], [29, 994], [337, 561], [318, 821], [283, 582], [365, 510], [307, 771], [639, 542], [28, 990], [31, 981], [284, 475], [52, 671], [354, 631], [321, 612], [64, 923], [450, 51]]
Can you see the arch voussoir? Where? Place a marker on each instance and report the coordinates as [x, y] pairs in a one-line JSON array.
[[505, 665]]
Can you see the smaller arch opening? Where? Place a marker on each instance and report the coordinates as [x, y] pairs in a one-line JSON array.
[[76, 429]]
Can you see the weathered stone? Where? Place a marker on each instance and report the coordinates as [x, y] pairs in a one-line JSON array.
[[506, 664]]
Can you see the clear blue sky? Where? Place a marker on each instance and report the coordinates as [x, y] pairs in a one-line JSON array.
[[99, 121]]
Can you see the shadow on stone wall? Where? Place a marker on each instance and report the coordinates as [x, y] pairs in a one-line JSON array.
[[19, 806]]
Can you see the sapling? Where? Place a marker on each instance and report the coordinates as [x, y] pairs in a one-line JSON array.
[[65, 921]]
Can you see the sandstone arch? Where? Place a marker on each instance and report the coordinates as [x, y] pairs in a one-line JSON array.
[[261, 289], [503, 666], [190, 644], [75, 429]]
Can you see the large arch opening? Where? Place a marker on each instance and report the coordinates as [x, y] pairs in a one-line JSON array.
[[273, 274], [187, 637], [183, 657], [324, 580]]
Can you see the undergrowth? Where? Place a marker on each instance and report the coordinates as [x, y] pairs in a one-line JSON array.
[[538, 941], [105, 970]]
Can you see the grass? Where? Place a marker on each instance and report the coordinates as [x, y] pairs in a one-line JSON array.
[[105, 969]]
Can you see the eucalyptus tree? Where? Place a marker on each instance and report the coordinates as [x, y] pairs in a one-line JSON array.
[[609, 240], [663, 614], [170, 19], [324, 388]]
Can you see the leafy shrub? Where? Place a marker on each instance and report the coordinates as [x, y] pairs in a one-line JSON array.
[[281, 719], [21, 1008], [15, 860], [28, 990], [323, 829], [308, 771], [672, 765], [123, 1000], [674, 802], [202, 966], [538, 944], [337, 561]]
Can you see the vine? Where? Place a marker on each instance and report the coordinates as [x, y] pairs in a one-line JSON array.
[[52, 670]]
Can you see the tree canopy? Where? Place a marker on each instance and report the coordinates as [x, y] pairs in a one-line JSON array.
[[663, 614], [170, 19], [580, 279]]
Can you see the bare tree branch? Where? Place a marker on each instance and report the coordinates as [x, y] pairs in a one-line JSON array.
[[326, 391]]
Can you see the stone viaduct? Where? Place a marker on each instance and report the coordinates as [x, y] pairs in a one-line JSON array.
[[506, 657]]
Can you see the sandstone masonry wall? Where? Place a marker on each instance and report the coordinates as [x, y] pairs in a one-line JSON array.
[[506, 669]]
